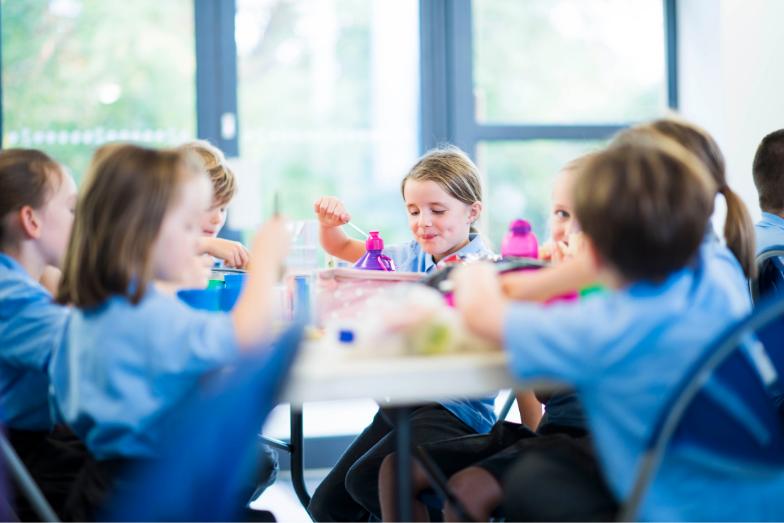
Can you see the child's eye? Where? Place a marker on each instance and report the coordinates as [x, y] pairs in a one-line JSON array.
[[439, 212], [564, 215], [413, 213]]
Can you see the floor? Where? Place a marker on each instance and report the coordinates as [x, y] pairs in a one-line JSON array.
[[281, 500]]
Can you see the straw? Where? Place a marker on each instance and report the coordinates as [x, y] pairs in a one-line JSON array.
[[360, 231]]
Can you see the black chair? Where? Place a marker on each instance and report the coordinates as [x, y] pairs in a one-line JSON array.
[[770, 274], [724, 414], [24, 482]]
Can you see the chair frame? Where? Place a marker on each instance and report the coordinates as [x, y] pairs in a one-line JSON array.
[[762, 257], [25, 482], [730, 341]]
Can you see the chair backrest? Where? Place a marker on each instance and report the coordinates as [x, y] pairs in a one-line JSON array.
[[724, 414], [770, 274], [209, 450]]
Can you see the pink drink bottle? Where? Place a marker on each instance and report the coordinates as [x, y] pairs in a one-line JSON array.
[[374, 259], [520, 241]]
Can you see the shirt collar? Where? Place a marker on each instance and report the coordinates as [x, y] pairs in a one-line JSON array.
[[773, 219], [475, 245], [10, 263]]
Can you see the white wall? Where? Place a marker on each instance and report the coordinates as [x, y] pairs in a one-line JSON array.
[[731, 77]]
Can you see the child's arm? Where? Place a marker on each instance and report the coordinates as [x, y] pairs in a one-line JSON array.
[[331, 215], [479, 300], [569, 276], [233, 254], [253, 313], [529, 407]]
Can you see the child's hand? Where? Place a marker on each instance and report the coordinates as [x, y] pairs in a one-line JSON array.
[[330, 212], [478, 298], [272, 242], [197, 274], [233, 254], [474, 283]]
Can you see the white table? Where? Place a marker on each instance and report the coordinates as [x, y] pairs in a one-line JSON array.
[[326, 371]]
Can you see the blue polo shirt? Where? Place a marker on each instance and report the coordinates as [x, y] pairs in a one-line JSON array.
[[770, 231], [625, 352], [478, 414], [31, 326], [122, 367]]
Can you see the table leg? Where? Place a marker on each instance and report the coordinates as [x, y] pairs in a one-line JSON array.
[[297, 449], [403, 479]]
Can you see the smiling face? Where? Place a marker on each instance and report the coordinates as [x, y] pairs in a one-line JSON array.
[[562, 222], [439, 222]]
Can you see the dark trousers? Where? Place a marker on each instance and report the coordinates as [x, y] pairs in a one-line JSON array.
[[100, 481], [557, 479], [350, 490], [53, 460]]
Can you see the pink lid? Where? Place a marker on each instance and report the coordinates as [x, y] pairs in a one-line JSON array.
[[374, 242], [520, 227]]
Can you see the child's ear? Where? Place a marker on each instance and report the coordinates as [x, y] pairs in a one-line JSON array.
[[475, 211], [29, 222]]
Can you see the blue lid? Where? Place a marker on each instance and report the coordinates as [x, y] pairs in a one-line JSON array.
[[345, 336]]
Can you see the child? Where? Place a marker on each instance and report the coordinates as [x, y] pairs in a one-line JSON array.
[[130, 354], [769, 178], [738, 227], [475, 465], [643, 205], [224, 186], [37, 199], [443, 198]]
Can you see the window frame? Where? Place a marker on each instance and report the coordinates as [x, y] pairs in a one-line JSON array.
[[447, 106]]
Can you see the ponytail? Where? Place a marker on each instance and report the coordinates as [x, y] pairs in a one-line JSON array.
[[739, 231]]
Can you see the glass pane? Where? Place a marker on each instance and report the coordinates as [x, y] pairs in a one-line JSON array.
[[78, 73], [519, 178], [328, 95], [569, 61]]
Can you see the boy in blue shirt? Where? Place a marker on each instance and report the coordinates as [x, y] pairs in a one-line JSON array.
[[643, 205], [768, 172]]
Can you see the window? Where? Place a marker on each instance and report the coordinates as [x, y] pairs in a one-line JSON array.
[[520, 178], [80, 73], [568, 61], [538, 83], [328, 100]]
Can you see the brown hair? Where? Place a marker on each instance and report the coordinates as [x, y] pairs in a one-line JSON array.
[[224, 184], [768, 172], [126, 194], [645, 204], [27, 177], [738, 226], [452, 170]]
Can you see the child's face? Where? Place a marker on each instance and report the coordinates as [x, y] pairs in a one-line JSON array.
[[562, 222], [57, 216], [439, 222], [214, 219], [178, 240]]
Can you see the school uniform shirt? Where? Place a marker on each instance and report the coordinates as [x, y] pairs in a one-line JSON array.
[[31, 326], [122, 367], [478, 414], [625, 352], [769, 231]]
